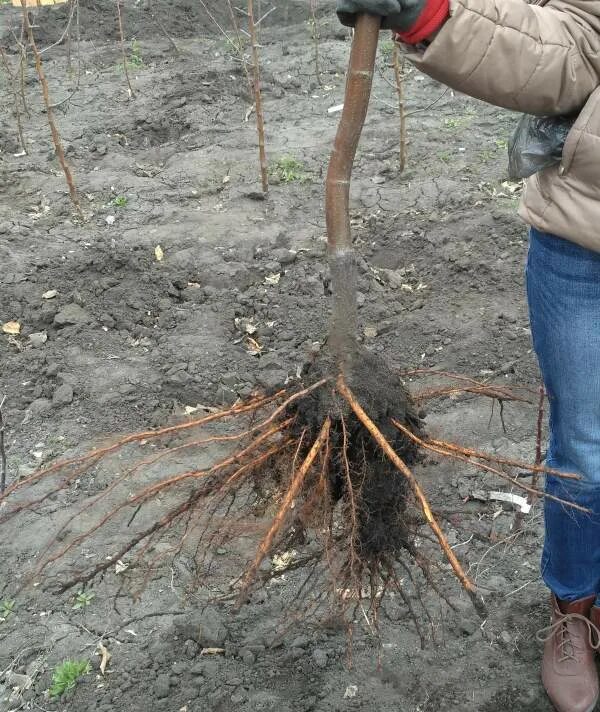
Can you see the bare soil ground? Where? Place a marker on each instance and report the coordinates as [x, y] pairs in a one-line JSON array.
[[131, 341]]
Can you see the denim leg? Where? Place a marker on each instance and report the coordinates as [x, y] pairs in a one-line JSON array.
[[563, 289]]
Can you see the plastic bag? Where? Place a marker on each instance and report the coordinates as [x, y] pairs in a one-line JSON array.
[[537, 143]]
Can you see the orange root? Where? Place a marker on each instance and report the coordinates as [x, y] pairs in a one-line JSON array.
[[290, 495], [465, 581], [453, 452]]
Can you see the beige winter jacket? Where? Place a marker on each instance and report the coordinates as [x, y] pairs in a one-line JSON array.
[[539, 59]]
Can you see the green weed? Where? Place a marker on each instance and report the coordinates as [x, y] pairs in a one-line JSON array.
[[135, 58], [486, 156], [386, 48], [7, 608], [315, 32], [461, 121], [290, 170], [83, 599], [120, 201], [67, 675]]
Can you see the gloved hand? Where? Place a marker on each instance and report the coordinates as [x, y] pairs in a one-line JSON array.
[[413, 20], [396, 14]]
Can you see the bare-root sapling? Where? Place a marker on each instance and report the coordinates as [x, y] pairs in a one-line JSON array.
[[56, 140], [260, 119], [124, 58], [3, 459], [327, 462], [398, 63], [316, 38], [12, 83]]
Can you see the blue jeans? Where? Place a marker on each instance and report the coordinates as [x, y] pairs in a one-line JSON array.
[[563, 289]]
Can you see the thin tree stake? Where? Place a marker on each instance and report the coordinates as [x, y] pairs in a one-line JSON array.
[[123, 52], [316, 36], [69, 65], [401, 466], [12, 80], [49, 111], [23, 67], [3, 466], [399, 76], [260, 120]]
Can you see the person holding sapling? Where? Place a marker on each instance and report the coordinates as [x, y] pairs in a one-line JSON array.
[[543, 59]]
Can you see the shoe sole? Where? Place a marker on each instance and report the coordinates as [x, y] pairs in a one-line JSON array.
[[593, 707], [589, 709]]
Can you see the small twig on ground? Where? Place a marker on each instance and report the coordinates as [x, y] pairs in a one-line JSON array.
[[123, 52], [399, 76], [3, 465], [260, 120], [12, 80], [58, 147]]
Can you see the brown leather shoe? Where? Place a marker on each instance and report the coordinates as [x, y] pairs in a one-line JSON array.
[[568, 668]]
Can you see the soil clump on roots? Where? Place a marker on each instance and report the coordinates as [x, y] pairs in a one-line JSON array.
[[358, 470]]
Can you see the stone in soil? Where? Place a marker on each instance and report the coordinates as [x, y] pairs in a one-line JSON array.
[[205, 627], [70, 315], [40, 406], [38, 339], [320, 657], [162, 686], [63, 395]]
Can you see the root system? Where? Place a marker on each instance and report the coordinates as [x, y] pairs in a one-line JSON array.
[[358, 470]]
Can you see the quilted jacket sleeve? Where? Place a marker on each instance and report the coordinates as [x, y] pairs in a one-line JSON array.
[[539, 60]]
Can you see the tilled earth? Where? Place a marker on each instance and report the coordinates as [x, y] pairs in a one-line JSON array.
[[115, 340]]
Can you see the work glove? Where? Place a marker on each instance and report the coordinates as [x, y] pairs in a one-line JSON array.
[[412, 20], [396, 14]]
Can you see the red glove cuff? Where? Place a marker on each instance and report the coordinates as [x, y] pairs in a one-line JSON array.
[[434, 14]]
